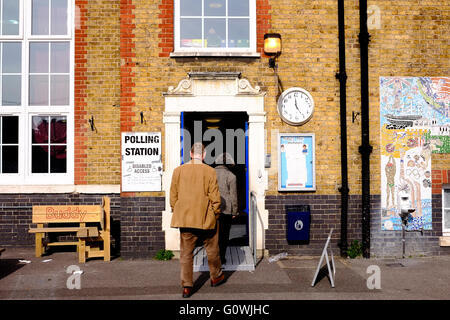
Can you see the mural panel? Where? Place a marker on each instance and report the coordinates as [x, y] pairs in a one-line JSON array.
[[415, 123]]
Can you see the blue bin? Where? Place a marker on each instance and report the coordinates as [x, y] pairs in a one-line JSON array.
[[298, 222]]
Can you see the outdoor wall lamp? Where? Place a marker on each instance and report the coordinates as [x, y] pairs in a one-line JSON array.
[[272, 47]]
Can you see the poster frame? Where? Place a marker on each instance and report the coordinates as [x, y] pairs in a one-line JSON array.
[[313, 138]]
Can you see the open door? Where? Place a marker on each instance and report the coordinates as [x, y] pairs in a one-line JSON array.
[[253, 216], [251, 208]]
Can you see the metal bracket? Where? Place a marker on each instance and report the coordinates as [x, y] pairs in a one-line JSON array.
[[355, 116]]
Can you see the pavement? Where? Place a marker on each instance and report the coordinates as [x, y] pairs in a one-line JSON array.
[[23, 276], [283, 286]]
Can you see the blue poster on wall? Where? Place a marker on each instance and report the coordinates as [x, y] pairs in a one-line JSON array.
[[296, 166]]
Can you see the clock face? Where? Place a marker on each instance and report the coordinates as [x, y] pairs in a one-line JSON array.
[[295, 106]]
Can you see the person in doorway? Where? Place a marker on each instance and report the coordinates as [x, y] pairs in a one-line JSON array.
[[195, 203], [228, 197]]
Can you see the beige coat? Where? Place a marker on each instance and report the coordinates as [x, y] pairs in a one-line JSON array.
[[194, 196]]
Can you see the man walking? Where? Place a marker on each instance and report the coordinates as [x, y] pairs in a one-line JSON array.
[[195, 203]]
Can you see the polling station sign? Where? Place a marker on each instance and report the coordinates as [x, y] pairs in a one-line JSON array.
[[141, 161]]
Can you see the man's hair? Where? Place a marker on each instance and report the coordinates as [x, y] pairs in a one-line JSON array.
[[197, 149]]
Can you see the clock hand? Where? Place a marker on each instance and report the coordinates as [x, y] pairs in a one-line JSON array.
[[296, 105]]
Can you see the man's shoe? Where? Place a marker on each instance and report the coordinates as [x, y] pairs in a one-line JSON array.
[[187, 292], [218, 281]]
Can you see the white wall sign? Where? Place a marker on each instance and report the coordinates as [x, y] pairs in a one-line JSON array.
[[141, 161]]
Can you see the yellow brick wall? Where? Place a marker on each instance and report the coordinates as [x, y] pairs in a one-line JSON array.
[[103, 91], [413, 41]]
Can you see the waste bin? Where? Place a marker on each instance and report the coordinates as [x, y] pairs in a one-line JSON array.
[[298, 221]]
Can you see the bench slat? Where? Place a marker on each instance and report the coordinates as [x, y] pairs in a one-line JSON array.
[[67, 243], [94, 254], [65, 229]]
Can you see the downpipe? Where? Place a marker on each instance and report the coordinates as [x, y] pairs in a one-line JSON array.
[[365, 149], [342, 77]]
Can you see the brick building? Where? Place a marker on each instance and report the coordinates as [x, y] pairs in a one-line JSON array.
[[85, 71]]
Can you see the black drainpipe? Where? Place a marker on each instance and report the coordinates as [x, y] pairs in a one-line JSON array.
[[365, 149], [342, 76]]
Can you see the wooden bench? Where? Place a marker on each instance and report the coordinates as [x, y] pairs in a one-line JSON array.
[[88, 237]]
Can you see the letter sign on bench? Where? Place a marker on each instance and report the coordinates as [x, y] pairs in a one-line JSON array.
[[67, 214]]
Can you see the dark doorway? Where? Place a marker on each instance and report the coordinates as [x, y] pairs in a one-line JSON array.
[[231, 126]]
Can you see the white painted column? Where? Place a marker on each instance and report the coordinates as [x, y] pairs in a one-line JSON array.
[[172, 149], [258, 177]]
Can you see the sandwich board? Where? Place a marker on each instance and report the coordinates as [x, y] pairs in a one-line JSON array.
[[331, 269]]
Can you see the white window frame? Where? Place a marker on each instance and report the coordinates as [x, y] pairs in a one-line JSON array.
[[21, 17], [445, 231], [70, 23], [26, 112], [189, 51]]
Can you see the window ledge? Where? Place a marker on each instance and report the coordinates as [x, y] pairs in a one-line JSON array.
[[185, 54], [60, 189]]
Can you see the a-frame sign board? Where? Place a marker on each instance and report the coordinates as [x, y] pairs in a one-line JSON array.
[[331, 271]]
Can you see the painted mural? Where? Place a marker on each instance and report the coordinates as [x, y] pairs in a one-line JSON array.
[[415, 123]]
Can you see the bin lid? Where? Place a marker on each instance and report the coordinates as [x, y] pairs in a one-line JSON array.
[[297, 208]]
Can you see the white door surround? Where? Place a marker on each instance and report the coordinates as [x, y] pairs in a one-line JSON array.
[[215, 92]]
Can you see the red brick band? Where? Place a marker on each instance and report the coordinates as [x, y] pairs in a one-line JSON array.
[[438, 178]]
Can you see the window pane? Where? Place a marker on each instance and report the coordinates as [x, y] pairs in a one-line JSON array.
[[238, 33], [39, 133], [191, 33], [40, 18], [11, 91], [214, 7], [10, 129], [59, 17], [10, 19], [60, 61], [39, 159], [59, 90], [10, 159], [58, 155], [447, 198], [38, 94], [191, 7], [447, 219], [238, 8], [12, 57], [58, 130], [215, 33], [39, 57]]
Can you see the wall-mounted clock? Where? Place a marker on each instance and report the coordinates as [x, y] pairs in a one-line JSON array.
[[295, 106]]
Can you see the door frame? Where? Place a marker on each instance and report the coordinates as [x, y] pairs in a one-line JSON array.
[[226, 92]]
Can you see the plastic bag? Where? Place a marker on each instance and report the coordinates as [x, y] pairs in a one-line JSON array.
[[277, 257]]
